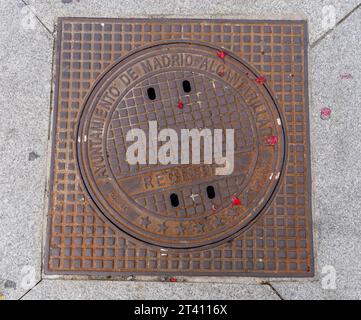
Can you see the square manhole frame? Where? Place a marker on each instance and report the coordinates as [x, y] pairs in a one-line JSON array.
[[92, 246]]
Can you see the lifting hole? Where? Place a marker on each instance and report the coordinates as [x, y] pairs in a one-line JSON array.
[[187, 86], [151, 93], [211, 193], [174, 200]]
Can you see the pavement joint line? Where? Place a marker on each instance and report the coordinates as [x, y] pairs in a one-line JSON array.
[[52, 87], [37, 18], [316, 42], [122, 280], [36, 284], [266, 283], [183, 279], [48, 157], [300, 280]]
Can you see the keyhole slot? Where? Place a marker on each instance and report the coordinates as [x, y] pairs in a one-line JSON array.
[[211, 193], [187, 86], [151, 93], [174, 200]]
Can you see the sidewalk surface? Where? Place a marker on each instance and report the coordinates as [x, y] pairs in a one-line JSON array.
[[27, 34]]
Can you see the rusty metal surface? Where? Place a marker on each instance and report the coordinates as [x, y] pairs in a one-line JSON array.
[[136, 198], [109, 217]]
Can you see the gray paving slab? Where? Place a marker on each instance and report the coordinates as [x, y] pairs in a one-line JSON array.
[[346, 289], [70, 289], [335, 72], [319, 13], [25, 64]]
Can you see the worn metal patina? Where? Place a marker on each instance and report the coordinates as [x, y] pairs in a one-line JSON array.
[[108, 217]]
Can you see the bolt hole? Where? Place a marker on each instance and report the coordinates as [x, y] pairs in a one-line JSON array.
[[187, 86], [151, 93], [211, 192], [174, 200]]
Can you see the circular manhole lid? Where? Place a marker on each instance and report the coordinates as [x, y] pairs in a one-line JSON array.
[[179, 85]]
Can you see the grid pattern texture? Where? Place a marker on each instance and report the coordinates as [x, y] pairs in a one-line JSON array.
[[209, 105], [279, 243]]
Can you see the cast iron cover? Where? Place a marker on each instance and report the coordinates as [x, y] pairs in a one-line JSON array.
[[109, 217]]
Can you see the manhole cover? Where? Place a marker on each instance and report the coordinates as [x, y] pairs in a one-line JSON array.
[[167, 214], [216, 94]]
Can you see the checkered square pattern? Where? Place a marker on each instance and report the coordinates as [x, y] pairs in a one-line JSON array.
[[79, 241]]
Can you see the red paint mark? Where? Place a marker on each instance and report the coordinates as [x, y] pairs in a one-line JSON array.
[[272, 140], [346, 76], [325, 113], [180, 104], [261, 80], [172, 279], [235, 201], [221, 54]]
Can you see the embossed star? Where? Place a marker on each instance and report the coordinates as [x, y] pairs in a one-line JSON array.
[[145, 222], [218, 221], [199, 227], [232, 212], [162, 227], [180, 229]]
